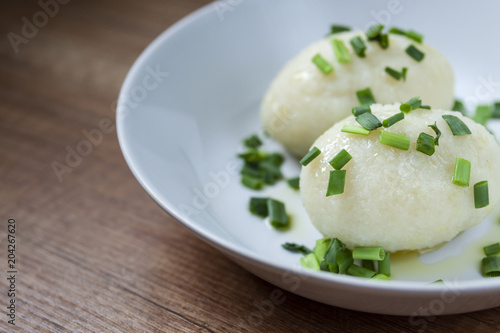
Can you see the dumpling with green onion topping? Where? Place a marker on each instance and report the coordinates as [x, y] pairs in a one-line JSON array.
[[302, 102], [401, 199]]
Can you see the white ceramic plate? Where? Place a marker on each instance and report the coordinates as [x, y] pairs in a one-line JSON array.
[[195, 92]]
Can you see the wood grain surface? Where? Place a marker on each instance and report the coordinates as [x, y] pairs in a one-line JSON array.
[[94, 253]]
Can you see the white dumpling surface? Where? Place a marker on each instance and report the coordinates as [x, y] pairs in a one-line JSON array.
[[400, 199], [302, 102]]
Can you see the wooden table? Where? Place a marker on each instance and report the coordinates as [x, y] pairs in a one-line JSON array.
[[93, 252]]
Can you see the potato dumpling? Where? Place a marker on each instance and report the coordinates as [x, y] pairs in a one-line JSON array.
[[400, 199], [302, 102]]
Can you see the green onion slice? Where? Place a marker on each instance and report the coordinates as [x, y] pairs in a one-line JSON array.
[[491, 266], [368, 253], [368, 121], [336, 182], [481, 197], [258, 206], [394, 73], [417, 37], [384, 41], [492, 249], [459, 106], [344, 260], [403, 73], [294, 183], [437, 131], [374, 31], [415, 53], [359, 46], [427, 107], [384, 266], [311, 155], [355, 130], [277, 213], [322, 64], [310, 261], [393, 119], [359, 271], [461, 175], [336, 28], [251, 182], [397, 31], [483, 114], [365, 96], [413, 104], [296, 248], [357, 110], [380, 277], [341, 159], [400, 141], [341, 51], [321, 247], [425, 144], [457, 126], [332, 252]]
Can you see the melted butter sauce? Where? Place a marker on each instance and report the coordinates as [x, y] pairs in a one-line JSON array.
[[458, 259]]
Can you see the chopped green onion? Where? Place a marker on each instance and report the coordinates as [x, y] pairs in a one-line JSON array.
[[368, 253], [341, 159], [380, 277], [355, 130], [483, 113], [336, 182], [384, 266], [344, 260], [365, 96], [258, 206], [394, 73], [481, 197], [393, 119], [311, 155], [437, 131], [397, 31], [252, 141], [294, 182], [374, 31], [253, 155], [456, 125], [492, 249], [413, 104], [310, 261], [296, 248], [411, 34], [277, 213], [459, 106], [359, 46], [359, 271], [417, 37], [322, 64], [357, 110], [491, 266], [332, 252], [399, 141], [415, 53], [427, 107], [403, 73], [252, 182], [461, 175], [341, 51], [368, 264], [496, 110], [321, 247], [425, 144], [383, 41], [368, 121], [438, 281], [335, 28]]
